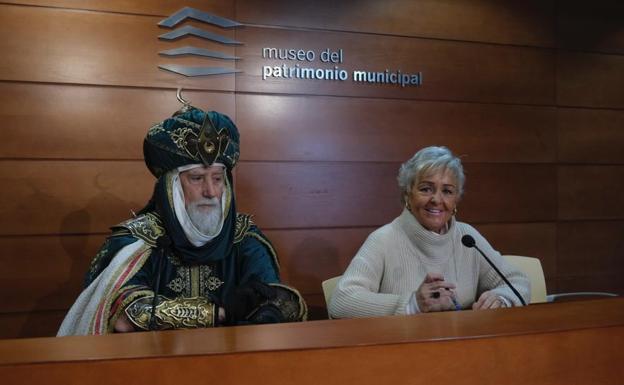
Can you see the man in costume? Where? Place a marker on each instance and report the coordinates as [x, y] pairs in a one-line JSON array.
[[188, 259]]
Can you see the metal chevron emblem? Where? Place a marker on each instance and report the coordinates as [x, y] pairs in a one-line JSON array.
[[188, 50], [188, 30], [192, 13], [182, 32], [197, 71]]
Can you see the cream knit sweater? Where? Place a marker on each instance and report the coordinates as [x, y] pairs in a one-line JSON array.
[[394, 260]]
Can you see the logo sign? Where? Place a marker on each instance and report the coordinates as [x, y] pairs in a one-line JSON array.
[[205, 17], [297, 63]]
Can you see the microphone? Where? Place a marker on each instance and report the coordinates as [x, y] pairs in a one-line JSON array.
[[468, 241]]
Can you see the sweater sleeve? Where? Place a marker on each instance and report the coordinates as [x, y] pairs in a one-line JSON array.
[[357, 293], [490, 280]]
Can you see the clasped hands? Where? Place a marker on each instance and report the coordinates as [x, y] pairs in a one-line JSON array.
[[436, 294]]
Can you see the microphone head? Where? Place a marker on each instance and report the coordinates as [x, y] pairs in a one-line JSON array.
[[468, 241]]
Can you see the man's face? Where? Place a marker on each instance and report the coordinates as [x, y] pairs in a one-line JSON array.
[[203, 184], [203, 188]]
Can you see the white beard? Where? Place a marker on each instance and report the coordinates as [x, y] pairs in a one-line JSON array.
[[207, 221]]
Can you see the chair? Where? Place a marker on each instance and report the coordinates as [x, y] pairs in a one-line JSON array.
[[328, 288], [532, 267]]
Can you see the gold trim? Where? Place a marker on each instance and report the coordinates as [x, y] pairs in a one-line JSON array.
[[179, 313], [243, 224], [121, 309], [147, 227], [194, 280], [303, 306]]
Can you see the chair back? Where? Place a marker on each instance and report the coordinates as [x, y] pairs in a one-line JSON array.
[[532, 267], [328, 288]]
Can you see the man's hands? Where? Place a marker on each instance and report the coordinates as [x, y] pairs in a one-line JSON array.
[[245, 299], [435, 294]]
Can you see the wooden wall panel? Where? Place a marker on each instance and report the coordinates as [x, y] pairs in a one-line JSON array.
[[451, 70], [607, 283], [508, 193], [525, 23], [590, 192], [44, 272], [66, 46], [592, 27], [350, 129], [590, 136], [87, 122], [31, 324], [305, 195], [42, 197], [591, 248], [590, 80]]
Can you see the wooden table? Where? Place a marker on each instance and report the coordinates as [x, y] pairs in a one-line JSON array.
[[564, 343]]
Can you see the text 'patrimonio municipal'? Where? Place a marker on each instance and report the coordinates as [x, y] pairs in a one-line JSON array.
[[333, 58]]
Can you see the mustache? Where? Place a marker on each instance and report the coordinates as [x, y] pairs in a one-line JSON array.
[[206, 202]]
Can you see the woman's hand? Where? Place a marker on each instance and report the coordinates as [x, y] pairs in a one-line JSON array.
[[435, 294], [488, 300]]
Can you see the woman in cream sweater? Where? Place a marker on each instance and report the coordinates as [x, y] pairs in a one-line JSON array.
[[417, 262]]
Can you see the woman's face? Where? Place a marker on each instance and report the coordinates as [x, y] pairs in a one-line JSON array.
[[433, 199]]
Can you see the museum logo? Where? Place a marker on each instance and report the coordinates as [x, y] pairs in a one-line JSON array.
[[175, 34]]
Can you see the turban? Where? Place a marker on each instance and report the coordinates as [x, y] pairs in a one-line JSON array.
[[191, 136]]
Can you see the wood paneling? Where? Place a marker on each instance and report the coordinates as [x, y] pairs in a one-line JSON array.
[[590, 192], [508, 193], [590, 136], [59, 197], [525, 23], [606, 283], [594, 27], [66, 46], [31, 324], [350, 129], [590, 80], [451, 70], [44, 272], [590, 248], [86, 122]]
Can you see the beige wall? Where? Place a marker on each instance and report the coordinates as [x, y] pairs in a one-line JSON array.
[[531, 94]]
